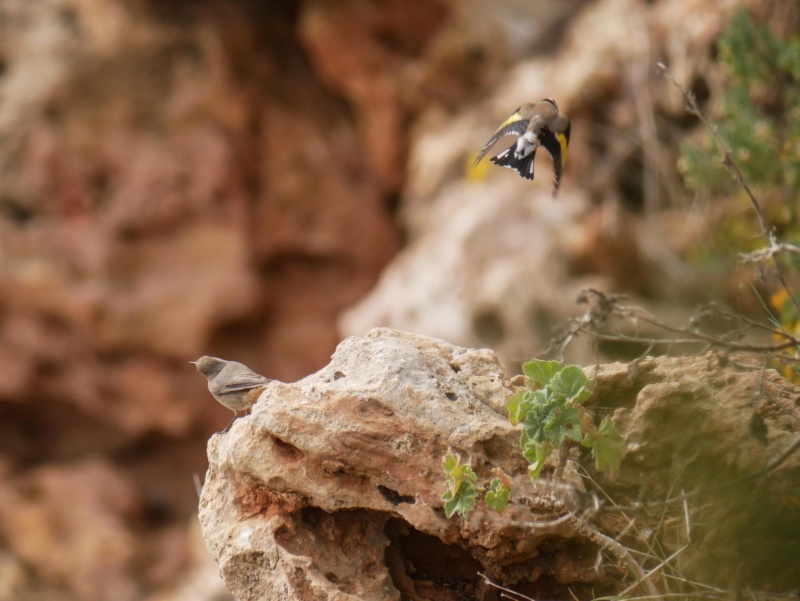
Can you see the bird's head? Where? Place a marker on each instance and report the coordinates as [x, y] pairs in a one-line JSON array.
[[209, 366]]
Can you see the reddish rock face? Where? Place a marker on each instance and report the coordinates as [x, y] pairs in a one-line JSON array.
[[373, 54], [182, 180], [174, 181], [178, 186]]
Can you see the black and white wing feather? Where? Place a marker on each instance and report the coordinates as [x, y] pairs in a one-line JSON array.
[[514, 125]]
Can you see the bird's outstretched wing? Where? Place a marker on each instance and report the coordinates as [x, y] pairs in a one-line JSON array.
[[515, 124], [556, 146]]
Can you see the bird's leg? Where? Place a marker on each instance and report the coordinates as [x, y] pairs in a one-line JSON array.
[[228, 427]]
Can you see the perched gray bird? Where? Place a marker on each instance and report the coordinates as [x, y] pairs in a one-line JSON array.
[[539, 124], [233, 384]]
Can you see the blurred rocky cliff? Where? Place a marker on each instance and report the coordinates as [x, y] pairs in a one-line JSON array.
[[234, 177]]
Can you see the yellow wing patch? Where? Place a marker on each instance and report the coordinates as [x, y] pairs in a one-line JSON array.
[[512, 119], [562, 142]]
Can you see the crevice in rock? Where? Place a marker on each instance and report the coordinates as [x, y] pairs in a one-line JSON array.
[[394, 497], [423, 567], [286, 452]]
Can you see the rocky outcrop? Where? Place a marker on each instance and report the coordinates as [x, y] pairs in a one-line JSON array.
[[332, 488]]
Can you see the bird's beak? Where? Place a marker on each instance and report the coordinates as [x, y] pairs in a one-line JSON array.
[[192, 362]]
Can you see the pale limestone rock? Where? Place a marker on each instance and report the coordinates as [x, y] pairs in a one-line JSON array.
[[317, 489], [332, 488], [491, 269]]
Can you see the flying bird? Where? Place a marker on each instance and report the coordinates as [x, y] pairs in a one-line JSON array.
[[537, 124]]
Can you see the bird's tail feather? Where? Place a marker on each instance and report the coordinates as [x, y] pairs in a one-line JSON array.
[[523, 166]]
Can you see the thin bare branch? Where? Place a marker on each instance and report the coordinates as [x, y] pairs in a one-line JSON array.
[[594, 320], [764, 254]]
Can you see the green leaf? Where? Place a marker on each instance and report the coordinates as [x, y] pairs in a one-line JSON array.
[[564, 423], [449, 462], [462, 502], [541, 406], [608, 447], [542, 398], [541, 372], [456, 473], [518, 405], [497, 496], [469, 474], [536, 454], [552, 413], [572, 384]]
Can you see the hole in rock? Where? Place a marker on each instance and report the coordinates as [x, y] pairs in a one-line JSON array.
[[394, 497], [285, 451], [423, 567], [451, 395], [455, 368]]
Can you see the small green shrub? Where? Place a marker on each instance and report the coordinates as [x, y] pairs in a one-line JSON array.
[[551, 412]]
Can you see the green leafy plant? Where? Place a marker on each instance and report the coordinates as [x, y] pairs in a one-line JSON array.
[[497, 496], [551, 412], [461, 488], [460, 493]]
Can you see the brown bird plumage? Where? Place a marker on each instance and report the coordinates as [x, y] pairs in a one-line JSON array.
[[232, 384]]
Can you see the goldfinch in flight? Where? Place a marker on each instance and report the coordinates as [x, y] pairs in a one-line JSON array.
[[539, 124]]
